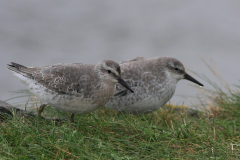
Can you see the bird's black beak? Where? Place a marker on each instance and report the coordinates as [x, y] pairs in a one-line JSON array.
[[122, 82], [190, 78]]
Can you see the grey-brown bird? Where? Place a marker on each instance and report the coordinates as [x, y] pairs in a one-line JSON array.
[[153, 81], [75, 88]]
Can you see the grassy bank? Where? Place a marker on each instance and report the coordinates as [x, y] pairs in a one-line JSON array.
[[105, 134], [168, 133]]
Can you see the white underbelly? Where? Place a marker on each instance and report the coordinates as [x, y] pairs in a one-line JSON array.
[[144, 103], [68, 103]]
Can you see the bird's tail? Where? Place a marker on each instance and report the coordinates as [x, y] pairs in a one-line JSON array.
[[18, 68]]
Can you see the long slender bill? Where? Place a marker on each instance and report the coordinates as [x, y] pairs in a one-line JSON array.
[[190, 78], [122, 82]]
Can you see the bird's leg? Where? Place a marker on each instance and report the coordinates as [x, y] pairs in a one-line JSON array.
[[72, 118], [40, 109]]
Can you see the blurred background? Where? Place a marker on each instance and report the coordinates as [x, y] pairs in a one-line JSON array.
[[38, 33]]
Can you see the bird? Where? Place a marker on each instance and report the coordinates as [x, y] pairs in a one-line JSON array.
[[154, 82], [72, 87]]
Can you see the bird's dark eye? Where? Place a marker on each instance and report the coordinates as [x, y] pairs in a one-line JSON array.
[[176, 69], [109, 71]]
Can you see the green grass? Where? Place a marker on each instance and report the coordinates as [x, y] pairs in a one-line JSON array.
[[105, 134]]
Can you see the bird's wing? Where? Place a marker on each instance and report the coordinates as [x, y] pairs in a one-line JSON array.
[[145, 82], [133, 60], [62, 78]]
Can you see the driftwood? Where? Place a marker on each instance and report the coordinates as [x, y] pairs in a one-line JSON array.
[[6, 111]]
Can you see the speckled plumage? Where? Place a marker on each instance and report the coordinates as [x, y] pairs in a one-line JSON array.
[[75, 88], [153, 81]]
